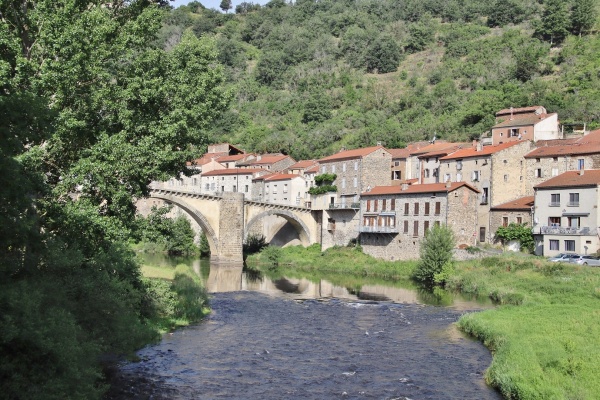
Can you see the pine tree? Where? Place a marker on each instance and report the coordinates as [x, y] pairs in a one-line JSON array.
[[583, 16], [554, 24]]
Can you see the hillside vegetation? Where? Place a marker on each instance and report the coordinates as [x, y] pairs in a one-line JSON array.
[[311, 77]]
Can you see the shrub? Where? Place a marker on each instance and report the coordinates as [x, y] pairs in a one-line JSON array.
[[254, 244], [191, 295], [273, 255], [435, 264]]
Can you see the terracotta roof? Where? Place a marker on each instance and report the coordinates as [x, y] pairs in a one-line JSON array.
[[448, 150], [422, 188], [520, 110], [437, 146], [234, 157], [233, 171], [520, 204], [303, 164], [350, 154], [205, 159], [282, 177], [590, 177], [485, 151], [263, 176], [588, 144], [408, 150], [522, 120], [313, 169], [267, 159]]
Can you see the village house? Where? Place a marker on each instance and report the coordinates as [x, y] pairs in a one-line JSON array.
[[429, 163], [518, 211], [229, 180], [497, 171], [285, 189], [269, 162], [553, 157], [395, 219], [299, 167], [401, 167], [526, 123], [566, 217]]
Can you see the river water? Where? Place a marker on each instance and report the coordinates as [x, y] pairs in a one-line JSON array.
[[300, 338]]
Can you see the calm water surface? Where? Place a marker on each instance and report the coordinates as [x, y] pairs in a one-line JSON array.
[[307, 338]]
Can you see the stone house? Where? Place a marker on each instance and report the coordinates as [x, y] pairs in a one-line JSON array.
[[553, 157], [518, 211], [566, 217], [497, 171], [284, 189], [401, 167], [395, 219], [231, 161], [269, 162], [429, 163], [301, 166], [229, 180], [526, 123]]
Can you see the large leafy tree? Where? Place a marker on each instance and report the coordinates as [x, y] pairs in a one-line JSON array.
[[90, 115], [554, 24], [583, 16]]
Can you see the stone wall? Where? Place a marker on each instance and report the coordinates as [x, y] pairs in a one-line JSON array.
[[497, 218], [231, 228], [339, 227], [508, 173], [462, 216], [541, 169]]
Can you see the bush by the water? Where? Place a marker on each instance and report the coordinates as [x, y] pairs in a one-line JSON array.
[[435, 265]]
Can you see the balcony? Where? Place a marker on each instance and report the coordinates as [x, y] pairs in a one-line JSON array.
[[379, 229], [565, 230], [344, 206]]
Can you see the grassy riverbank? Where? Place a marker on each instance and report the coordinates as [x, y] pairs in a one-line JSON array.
[[544, 335]]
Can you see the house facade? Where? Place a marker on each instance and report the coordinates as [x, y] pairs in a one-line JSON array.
[[566, 215], [526, 123], [229, 180], [395, 219], [518, 211], [269, 162], [285, 189]]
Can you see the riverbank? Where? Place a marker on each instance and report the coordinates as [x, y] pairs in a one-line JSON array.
[[544, 335]]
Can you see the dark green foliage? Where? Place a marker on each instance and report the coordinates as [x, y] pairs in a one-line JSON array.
[[421, 35], [175, 235], [204, 246], [325, 179], [254, 244], [435, 263], [554, 24], [225, 5], [316, 109], [584, 15], [273, 255], [383, 55], [504, 12], [191, 295], [519, 232]]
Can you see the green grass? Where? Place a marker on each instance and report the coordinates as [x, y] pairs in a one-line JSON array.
[[166, 273], [544, 334]]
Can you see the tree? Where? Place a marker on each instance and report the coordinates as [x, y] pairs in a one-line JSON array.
[[554, 24], [583, 16], [518, 232], [503, 12], [226, 5], [383, 55], [436, 256]]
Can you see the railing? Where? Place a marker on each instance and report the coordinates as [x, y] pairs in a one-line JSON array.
[[379, 229], [344, 206], [564, 230]]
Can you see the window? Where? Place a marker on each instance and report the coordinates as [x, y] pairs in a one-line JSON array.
[[222, 188], [234, 188], [538, 173], [207, 186], [475, 176], [246, 188], [285, 188], [368, 205], [406, 227], [356, 165], [438, 207], [447, 177], [344, 167], [323, 169], [505, 178], [406, 208], [427, 208], [553, 244], [344, 183], [505, 221], [574, 222], [569, 245], [383, 205], [425, 227], [426, 172], [482, 233], [554, 221], [580, 164], [555, 200], [537, 160], [519, 220], [458, 177], [333, 169], [355, 181], [393, 204], [374, 205], [416, 228], [555, 171], [573, 199], [416, 208]]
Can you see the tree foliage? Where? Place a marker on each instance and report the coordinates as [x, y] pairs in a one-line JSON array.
[[517, 232], [435, 263]]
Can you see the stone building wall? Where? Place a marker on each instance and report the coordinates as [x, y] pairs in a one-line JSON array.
[[375, 170], [497, 218], [282, 164], [540, 169], [231, 228], [462, 215], [339, 227], [508, 173]]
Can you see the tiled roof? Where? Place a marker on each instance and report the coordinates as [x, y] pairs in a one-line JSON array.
[[590, 177], [485, 151], [350, 154], [588, 144], [519, 110], [282, 177], [303, 164], [523, 120], [408, 150], [312, 170], [520, 204], [233, 171], [422, 188], [266, 159], [263, 176], [437, 146], [452, 147], [234, 157], [205, 159]]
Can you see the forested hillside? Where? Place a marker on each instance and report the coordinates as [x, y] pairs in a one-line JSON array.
[[311, 77]]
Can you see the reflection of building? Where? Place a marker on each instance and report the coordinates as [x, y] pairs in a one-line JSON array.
[[566, 217], [394, 219]]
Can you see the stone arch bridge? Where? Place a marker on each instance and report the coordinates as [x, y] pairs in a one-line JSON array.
[[227, 219]]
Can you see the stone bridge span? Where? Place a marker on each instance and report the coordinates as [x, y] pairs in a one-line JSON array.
[[227, 219]]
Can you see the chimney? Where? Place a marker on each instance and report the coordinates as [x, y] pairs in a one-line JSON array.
[[448, 184], [404, 186], [479, 146], [475, 143], [581, 171]]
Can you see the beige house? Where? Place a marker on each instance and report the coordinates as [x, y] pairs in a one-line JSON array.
[[553, 157], [429, 163], [229, 180], [269, 162], [566, 217], [285, 189], [518, 211], [401, 165], [496, 171], [301, 166], [526, 123], [395, 219]]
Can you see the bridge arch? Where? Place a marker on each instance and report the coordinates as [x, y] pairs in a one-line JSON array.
[[213, 241], [289, 216]]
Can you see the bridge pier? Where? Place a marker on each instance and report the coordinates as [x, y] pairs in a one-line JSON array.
[[231, 229]]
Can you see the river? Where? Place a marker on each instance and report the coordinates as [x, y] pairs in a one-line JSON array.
[[306, 338]]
